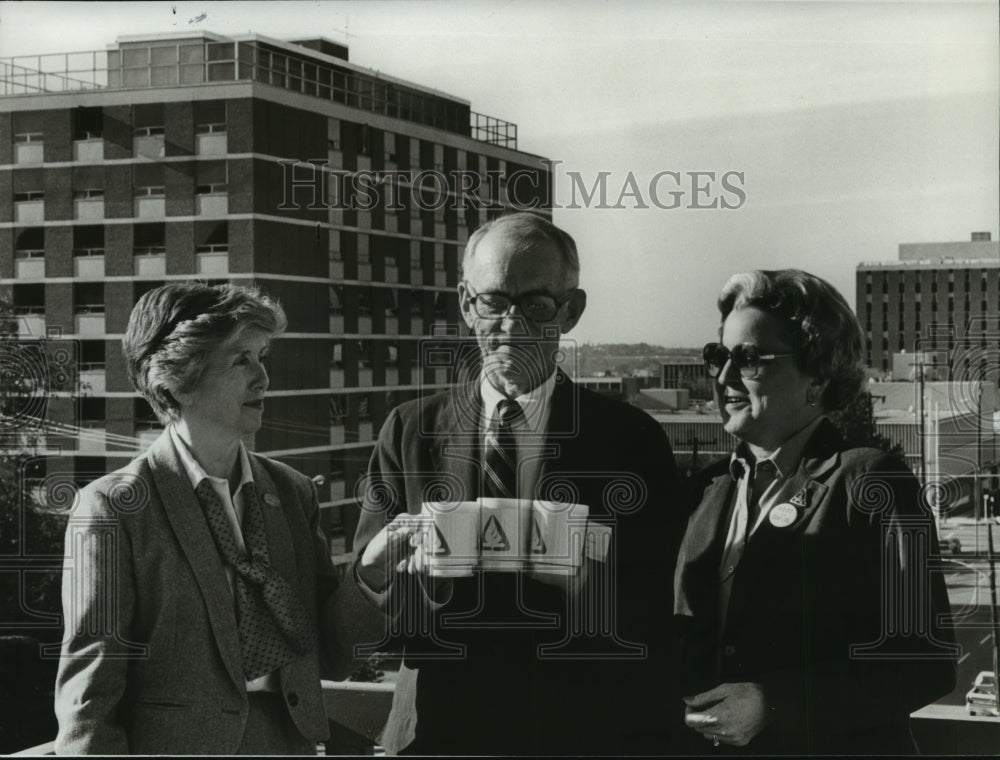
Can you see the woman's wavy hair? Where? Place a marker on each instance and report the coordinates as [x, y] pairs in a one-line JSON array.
[[174, 329], [822, 328]]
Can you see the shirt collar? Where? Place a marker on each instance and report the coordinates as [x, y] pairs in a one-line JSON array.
[[534, 403], [196, 473], [785, 459]]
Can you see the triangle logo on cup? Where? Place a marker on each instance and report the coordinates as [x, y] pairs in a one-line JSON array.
[[493, 538], [439, 547]]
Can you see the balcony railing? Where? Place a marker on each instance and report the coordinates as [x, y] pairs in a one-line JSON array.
[[197, 61], [93, 379], [89, 323], [150, 265], [28, 153], [29, 267], [89, 209], [29, 211], [89, 265], [91, 149]]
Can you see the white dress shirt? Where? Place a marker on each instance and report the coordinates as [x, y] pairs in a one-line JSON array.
[[758, 482], [529, 433]]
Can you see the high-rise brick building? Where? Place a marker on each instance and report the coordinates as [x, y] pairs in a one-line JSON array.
[[934, 295], [171, 158]]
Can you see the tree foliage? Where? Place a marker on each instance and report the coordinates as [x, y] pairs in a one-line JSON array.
[[856, 422], [31, 539]]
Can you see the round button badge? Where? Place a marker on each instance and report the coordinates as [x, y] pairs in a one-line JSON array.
[[783, 515]]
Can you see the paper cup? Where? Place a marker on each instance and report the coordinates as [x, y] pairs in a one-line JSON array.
[[556, 536], [503, 533], [450, 538]]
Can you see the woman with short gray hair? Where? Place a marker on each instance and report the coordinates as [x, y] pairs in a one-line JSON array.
[[197, 577], [791, 641]]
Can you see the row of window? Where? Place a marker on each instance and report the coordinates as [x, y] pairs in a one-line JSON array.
[[902, 286], [148, 203], [147, 142]]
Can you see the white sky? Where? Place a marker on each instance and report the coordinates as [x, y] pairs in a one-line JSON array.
[[858, 125]]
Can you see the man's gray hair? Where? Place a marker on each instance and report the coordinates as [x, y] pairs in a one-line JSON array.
[[527, 230]]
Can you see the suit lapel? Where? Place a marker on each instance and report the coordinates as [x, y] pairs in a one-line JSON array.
[[805, 490], [187, 520], [455, 451], [563, 433], [701, 550]]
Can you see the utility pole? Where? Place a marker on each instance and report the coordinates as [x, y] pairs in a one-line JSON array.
[[994, 623], [694, 441]]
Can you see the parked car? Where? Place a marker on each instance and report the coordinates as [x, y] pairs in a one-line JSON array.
[[982, 697], [950, 544]]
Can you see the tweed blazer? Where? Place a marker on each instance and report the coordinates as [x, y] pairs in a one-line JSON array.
[[840, 614], [151, 660]]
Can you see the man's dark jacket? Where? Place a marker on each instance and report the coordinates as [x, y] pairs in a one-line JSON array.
[[511, 676]]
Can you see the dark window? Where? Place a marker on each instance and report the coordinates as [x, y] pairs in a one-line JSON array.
[[88, 122]]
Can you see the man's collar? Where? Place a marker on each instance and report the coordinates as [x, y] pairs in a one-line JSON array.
[[785, 459], [196, 473], [534, 403]]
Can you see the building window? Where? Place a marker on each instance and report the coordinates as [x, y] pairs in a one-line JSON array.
[[29, 148], [88, 204], [88, 131], [211, 190], [150, 201], [212, 248], [29, 206], [88, 308], [364, 140], [211, 139], [29, 254], [150, 249], [149, 142]]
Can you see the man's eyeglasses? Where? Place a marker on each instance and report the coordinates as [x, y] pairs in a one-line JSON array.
[[536, 307], [746, 357]]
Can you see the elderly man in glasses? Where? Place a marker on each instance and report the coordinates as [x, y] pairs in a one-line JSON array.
[[524, 661]]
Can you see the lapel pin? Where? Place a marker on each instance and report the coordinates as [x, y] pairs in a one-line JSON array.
[[801, 499], [271, 500], [783, 515]]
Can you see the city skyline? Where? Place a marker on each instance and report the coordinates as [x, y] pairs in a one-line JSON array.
[[856, 126]]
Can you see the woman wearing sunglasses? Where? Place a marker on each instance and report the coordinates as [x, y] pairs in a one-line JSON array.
[[810, 622]]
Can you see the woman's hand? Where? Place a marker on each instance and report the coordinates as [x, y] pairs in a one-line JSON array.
[[731, 713]]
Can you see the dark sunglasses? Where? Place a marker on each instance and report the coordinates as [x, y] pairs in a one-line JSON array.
[[746, 357]]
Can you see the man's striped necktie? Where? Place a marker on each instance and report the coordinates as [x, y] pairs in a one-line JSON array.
[[500, 455]]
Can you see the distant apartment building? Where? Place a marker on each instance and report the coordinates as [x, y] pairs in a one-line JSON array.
[[689, 374], [252, 160], [934, 296]]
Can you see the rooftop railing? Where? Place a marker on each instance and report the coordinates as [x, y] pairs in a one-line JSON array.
[[195, 62]]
